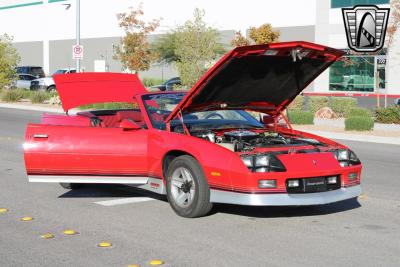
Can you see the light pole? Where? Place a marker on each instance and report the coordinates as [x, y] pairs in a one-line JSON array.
[[78, 32]]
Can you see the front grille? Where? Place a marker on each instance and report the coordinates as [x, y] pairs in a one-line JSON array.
[[313, 185]]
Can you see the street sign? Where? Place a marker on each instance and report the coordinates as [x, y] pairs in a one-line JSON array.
[[77, 51]]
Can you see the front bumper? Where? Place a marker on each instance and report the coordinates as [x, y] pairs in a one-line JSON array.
[[285, 199]]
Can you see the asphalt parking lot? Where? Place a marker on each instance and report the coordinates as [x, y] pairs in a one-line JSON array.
[[142, 227]]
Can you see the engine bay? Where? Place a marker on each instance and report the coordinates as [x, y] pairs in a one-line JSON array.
[[244, 140]]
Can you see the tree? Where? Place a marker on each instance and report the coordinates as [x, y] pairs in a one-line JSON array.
[[135, 53], [394, 22], [239, 40], [165, 46], [257, 35], [196, 47], [9, 60], [264, 34]]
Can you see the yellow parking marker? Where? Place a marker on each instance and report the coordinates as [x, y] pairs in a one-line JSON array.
[[104, 244], [363, 196], [70, 232], [156, 262], [25, 219], [3, 210], [47, 236], [133, 265]]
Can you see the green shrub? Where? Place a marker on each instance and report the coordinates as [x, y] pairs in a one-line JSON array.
[[12, 95], [317, 102], [38, 97], [359, 123], [110, 105], [300, 117], [297, 103], [388, 115], [148, 82], [358, 112], [342, 105], [27, 94], [117, 105]]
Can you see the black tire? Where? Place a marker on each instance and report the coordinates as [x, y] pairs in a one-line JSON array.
[[51, 88], [200, 204], [70, 186]]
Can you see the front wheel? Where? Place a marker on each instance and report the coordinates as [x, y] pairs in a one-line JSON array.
[[188, 192]]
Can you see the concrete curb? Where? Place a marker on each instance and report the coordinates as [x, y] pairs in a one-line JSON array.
[[29, 107], [331, 135], [358, 137], [36, 108]]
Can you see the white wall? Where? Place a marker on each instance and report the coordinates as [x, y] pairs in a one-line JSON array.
[[51, 21]]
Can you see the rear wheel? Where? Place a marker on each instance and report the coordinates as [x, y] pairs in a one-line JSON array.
[[188, 192], [70, 186], [51, 88]]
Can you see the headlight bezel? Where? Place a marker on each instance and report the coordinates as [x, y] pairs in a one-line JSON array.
[[262, 162], [346, 157]]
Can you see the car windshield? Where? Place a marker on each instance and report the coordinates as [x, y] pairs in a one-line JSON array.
[[37, 70], [159, 106], [60, 72]]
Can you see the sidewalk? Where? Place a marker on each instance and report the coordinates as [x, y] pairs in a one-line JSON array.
[[358, 137], [394, 137]]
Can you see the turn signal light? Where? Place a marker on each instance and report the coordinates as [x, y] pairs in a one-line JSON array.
[[331, 180], [293, 183], [267, 183]]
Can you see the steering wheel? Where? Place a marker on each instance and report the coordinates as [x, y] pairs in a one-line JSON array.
[[214, 114]]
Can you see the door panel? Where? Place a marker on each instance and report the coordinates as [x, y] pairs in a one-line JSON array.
[[60, 150]]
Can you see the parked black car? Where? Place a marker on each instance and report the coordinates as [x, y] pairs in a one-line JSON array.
[[169, 84], [32, 70]]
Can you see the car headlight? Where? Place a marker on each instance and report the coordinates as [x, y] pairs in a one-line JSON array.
[[247, 160], [346, 157], [263, 163]]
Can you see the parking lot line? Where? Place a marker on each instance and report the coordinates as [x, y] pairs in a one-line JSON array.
[[122, 201]]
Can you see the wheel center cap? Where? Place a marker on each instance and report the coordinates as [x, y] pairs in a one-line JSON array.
[[186, 187]]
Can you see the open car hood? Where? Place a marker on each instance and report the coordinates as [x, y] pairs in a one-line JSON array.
[[77, 89], [264, 78]]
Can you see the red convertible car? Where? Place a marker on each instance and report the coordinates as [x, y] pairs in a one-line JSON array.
[[199, 147]]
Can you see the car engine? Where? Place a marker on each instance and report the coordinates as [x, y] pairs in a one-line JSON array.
[[243, 140]]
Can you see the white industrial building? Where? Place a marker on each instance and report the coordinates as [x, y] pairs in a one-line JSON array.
[[44, 32]]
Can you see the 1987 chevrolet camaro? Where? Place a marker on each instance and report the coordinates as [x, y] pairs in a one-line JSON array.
[[202, 146]]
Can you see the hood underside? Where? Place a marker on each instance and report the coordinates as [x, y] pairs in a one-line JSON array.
[[263, 78], [77, 89]]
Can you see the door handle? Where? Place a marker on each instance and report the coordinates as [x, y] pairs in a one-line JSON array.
[[40, 136]]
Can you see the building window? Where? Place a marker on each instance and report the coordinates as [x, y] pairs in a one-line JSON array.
[[353, 73], [350, 3]]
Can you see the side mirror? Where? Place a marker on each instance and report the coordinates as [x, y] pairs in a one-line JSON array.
[[267, 120], [127, 124]]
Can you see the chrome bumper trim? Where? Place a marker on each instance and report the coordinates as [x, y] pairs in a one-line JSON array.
[[219, 196], [88, 179]]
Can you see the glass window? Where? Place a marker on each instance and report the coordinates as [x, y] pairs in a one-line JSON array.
[[353, 73], [159, 106], [350, 3]]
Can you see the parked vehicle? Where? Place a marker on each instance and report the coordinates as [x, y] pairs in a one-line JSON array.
[[24, 81], [32, 70], [361, 80], [397, 102], [47, 83], [199, 147], [169, 84]]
